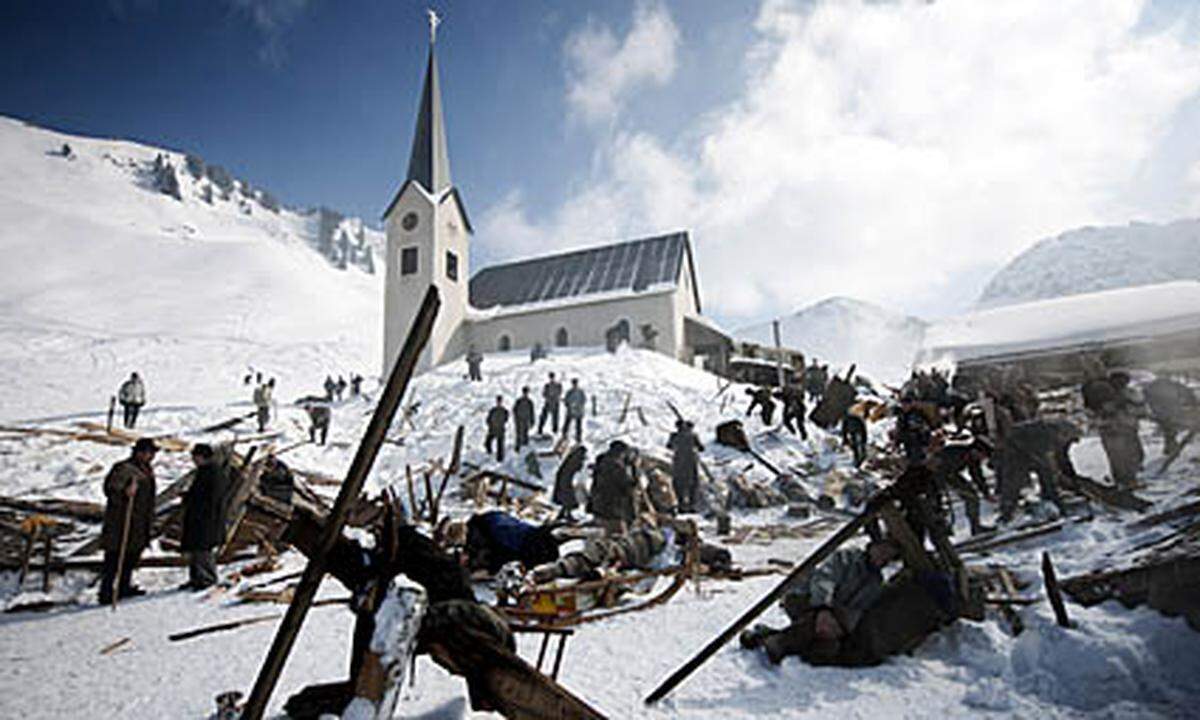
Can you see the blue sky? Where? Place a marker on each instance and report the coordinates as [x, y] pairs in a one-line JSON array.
[[895, 151]]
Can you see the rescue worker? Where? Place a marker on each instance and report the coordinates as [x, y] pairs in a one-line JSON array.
[[523, 418], [826, 605], [685, 478], [497, 419], [1173, 407], [792, 399], [318, 421], [263, 395], [760, 399], [854, 435], [551, 395], [1040, 446], [914, 430], [330, 387], [129, 489], [474, 364], [204, 518], [564, 482], [1116, 411], [814, 381], [614, 483], [495, 539], [576, 402], [948, 463], [132, 396]]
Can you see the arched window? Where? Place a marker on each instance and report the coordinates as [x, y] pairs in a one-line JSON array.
[[504, 344], [561, 339]]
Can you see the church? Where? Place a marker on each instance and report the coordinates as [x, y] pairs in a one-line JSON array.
[[642, 291]]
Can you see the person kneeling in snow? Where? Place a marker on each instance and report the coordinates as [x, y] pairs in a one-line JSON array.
[[826, 605]]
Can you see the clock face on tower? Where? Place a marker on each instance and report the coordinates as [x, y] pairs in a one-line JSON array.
[[409, 222]]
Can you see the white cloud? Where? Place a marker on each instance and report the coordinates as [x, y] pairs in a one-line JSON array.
[[271, 18], [890, 151], [602, 70]]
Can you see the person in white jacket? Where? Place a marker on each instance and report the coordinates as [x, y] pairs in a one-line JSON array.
[[132, 396]]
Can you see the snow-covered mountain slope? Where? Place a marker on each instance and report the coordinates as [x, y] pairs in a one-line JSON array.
[[1098, 258], [118, 258], [840, 331]]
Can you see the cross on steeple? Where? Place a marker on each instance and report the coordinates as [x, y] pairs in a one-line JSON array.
[[434, 21], [429, 163]]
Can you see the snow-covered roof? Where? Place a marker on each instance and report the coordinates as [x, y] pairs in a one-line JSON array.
[[1122, 315], [632, 267]]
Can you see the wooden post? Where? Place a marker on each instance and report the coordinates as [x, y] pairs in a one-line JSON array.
[[356, 476], [112, 408], [46, 562], [430, 505], [412, 494], [456, 454], [1053, 592], [816, 558], [778, 355], [899, 530], [26, 552]]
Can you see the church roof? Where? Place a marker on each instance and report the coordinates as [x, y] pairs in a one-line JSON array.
[[429, 163], [634, 266]]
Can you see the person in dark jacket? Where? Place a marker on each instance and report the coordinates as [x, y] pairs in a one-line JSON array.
[[614, 483], [564, 481], [130, 490], [1038, 446], [948, 463], [1173, 407], [204, 518], [792, 398], [914, 430], [318, 421], [495, 539], [760, 399], [523, 415], [551, 396], [854, 434], [684, 471], [497, 419], [474, 365], [826, 605]]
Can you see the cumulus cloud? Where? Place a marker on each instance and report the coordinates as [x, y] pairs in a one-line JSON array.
[[602, 70], [271, 18], [896, 152]]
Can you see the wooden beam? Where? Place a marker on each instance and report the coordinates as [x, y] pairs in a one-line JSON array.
[[1053, 592], [356, 476], [899, 530]]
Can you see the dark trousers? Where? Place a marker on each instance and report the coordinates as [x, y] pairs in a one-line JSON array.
[[264, 415], [549, 410], [314, 430], [798, 418], [109, 571], [473, 372], [685, 493], [578, 421], [131, 414], [522, 436], [1125, 454], [497, 437], [202, 568]]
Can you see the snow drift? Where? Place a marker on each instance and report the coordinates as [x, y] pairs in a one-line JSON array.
[[122, 257]]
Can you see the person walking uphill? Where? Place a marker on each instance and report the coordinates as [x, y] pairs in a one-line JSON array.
[[576, 402], [551, 395], [497, 419], [204, 518], [564, 482], [132, 396], [128, 518], [263, 396], [523, 418], [684, 476]]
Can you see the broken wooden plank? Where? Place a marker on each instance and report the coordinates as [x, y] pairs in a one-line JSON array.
[[356, 476], [1053, 593]]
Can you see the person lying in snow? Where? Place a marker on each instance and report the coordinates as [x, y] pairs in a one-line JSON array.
[[495, 539]]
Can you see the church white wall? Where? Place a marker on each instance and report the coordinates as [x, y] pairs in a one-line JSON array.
[[440, 227], [585, 324]]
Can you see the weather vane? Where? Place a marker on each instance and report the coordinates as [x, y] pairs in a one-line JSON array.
[[434, 21]]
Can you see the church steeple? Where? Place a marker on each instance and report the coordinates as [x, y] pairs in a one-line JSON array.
[[429, 163]]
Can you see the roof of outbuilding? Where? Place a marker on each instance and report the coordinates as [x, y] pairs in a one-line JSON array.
[[634, 266]]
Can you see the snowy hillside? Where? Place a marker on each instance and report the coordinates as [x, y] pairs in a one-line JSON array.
[[123, 257], [840, 331], [1092, 259]]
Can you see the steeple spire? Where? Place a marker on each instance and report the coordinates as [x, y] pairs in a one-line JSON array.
[[429, 163]]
